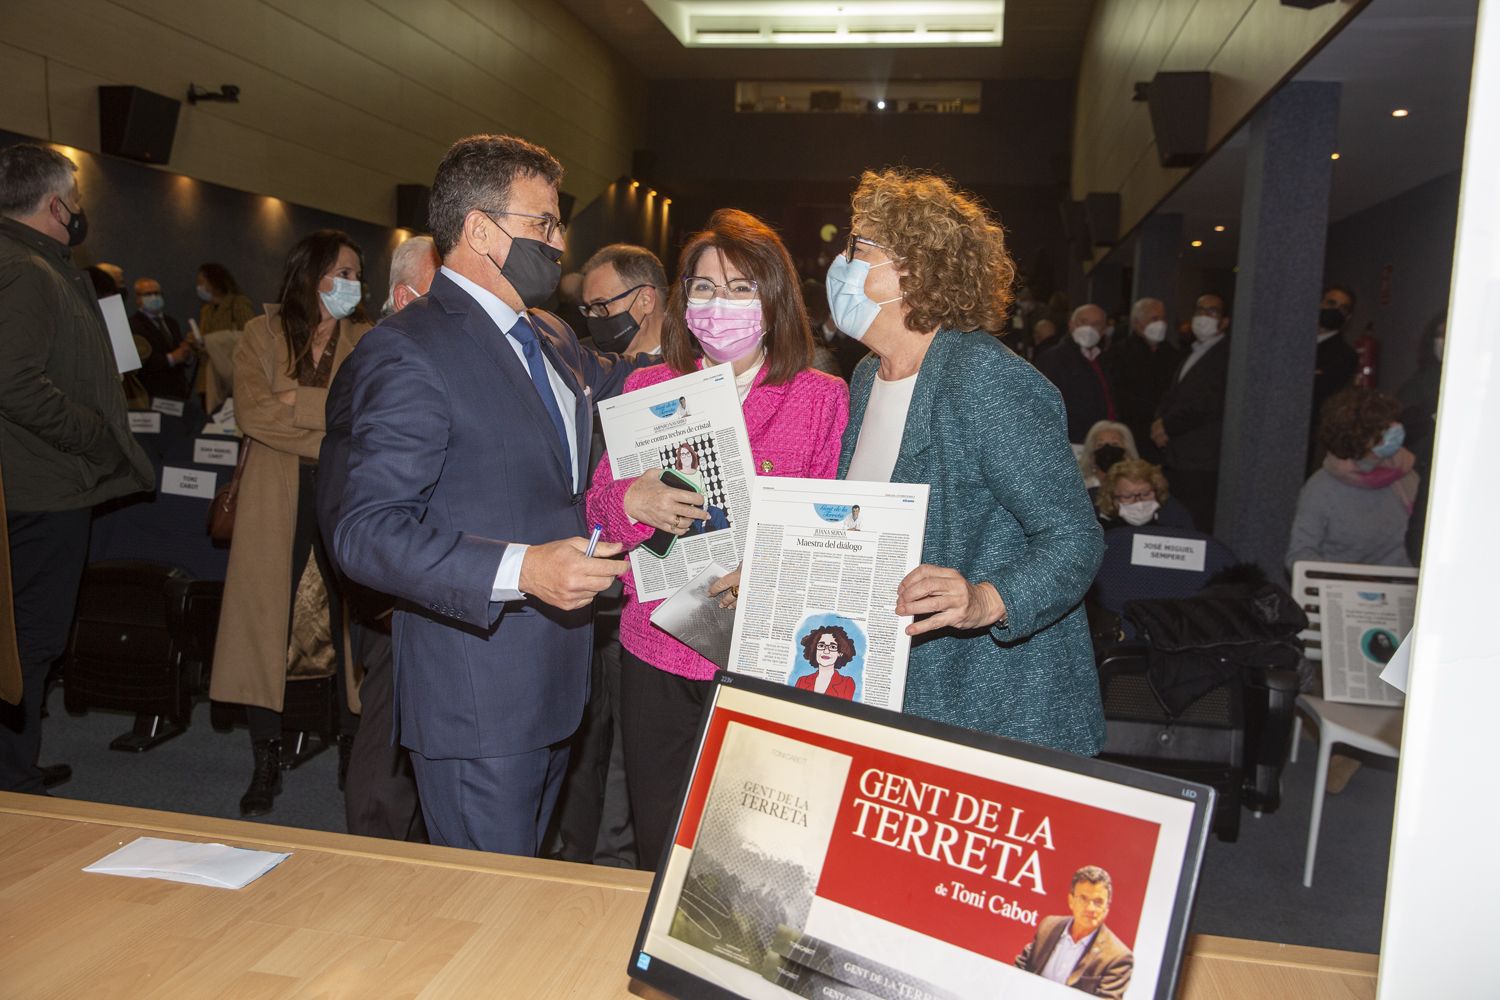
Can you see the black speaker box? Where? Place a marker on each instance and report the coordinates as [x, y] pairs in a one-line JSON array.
[[1179, 104], [137, 124], [1102, 211], [411, 206]]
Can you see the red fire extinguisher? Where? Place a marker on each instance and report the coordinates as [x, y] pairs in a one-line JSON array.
[[1368, 349]]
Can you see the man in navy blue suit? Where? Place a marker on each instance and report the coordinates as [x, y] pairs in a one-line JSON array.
[[471, 414]]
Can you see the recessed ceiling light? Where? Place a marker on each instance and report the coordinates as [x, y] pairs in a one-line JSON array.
[[769, 24], [1335, 156], [1197, 243], [880, 105], [1218, 229], [1400, 113]]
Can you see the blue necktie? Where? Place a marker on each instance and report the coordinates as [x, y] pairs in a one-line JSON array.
[[524, 333]]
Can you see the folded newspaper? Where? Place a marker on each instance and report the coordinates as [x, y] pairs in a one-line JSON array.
[[692, 424], [817, 602]]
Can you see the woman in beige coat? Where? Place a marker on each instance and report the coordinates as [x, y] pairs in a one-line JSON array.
[[281, 613]]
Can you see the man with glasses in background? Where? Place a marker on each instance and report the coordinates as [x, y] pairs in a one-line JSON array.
[[471, 413], [624, 299]]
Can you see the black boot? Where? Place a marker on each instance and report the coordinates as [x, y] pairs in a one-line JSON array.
[[265, 783], [346, 750]]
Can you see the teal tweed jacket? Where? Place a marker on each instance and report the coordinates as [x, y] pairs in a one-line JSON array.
[[988, 433]]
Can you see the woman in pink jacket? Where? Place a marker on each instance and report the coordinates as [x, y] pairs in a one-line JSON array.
[[738, 302]]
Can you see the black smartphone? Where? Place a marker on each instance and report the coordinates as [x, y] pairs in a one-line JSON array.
[[660, 542]]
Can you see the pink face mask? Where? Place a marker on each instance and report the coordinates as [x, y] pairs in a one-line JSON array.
[[727, 330]]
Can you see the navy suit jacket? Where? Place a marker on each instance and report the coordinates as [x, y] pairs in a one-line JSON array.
[[451, 457]]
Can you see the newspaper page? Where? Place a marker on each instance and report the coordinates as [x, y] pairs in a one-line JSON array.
[[817, 604], [1364, 623], [692, 424]]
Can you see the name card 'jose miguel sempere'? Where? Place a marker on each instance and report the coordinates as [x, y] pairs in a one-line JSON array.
[[1168, 552]]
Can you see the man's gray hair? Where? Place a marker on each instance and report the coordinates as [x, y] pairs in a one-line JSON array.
[[477, 173], [1138, 311], [1094, 875], [1073, 317], [635, 265], [28, 174], [406, 266]]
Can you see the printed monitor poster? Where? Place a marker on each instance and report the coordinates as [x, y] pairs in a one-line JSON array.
[[823, 856]]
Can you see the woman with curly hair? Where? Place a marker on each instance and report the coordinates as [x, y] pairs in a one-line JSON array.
[[1134, 492], [828, 649], [1000, 641], [1356, 507]]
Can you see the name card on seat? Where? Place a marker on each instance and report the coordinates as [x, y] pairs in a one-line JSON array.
[[188, 482], [1167, 552], [208, 451], [145, 423]]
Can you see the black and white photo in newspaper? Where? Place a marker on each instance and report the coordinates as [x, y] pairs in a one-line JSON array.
[[692, 425], [817, 605]]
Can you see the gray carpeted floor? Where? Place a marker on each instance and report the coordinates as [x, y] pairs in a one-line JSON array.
[[1249, 889]]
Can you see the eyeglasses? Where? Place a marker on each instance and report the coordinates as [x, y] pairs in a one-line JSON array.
[[1135, 497], [701, 290], [828, 647], [600, 309], [552, 225], [856, 241]]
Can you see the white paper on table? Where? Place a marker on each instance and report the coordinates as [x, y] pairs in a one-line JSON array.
[[696, 620], [1396, 670], [188, 482], [692, 423], [213, 865], [127, 358]]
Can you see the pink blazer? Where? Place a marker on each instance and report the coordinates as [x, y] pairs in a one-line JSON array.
[[795, 430]]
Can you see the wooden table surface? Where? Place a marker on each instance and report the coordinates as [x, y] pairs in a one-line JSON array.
[[354, 917]]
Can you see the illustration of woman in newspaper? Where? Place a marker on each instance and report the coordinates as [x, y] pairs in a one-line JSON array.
[[686, 464], [827, 650]]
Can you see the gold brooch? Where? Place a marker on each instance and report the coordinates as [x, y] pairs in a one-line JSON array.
[[765, 466]]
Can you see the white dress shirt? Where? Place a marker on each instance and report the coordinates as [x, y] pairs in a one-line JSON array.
[[508, 578], [1065, 956]]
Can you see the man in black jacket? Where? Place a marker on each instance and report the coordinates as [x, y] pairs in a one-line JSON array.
[[1140, 369], [1337, 361], [1076, 370], [64, 435], [165, 359], [1190, 421]]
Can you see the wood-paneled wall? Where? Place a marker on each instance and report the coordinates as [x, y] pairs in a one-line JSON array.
[[1249, 45], [341, 100]]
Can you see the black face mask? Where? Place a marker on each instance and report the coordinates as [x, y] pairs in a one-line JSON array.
[[1107, 455], [612, 334], [531, 267], [1330, 319], [77, 224]]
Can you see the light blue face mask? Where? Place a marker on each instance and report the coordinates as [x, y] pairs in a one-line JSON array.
[[342, 300], [1395, 437], [852, 310]]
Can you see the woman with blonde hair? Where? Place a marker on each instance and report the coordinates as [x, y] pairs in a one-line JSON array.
[[1134, 492], [1000, 643]]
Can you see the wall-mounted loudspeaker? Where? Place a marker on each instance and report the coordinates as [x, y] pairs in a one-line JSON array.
[[1102, 212], [137, 124], [411, 206], [1179, 104]]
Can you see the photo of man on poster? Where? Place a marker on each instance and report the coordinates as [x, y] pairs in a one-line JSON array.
[[1078, 950]]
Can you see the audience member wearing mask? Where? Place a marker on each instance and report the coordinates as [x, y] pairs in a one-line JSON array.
[[1078, 374], [282, 369], [1190, 420], [167, 356], [624, 298], [224, 313], [1140, 368], [739, 303], [1000, 641], [1106, 443], [1356, 507], [1419, 403], [64, 434], [1134, 493], [1337, 362], [375, 773]]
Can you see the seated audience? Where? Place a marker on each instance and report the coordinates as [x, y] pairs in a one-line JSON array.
[[1134, 492], [1106, 443], [1356, 507]]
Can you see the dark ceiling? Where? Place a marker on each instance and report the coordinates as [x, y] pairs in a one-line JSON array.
[[1043, 41]]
